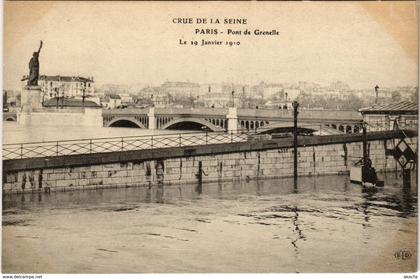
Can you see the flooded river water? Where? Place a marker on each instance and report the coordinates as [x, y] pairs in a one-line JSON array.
[[326, 224], [15, 133]]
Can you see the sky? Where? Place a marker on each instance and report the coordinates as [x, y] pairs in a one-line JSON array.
[[362, 44]]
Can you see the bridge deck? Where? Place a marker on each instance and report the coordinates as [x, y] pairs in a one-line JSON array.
[[262, 114]]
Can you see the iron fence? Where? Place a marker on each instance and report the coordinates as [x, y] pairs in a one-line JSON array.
[[113, 144], [144, 142]]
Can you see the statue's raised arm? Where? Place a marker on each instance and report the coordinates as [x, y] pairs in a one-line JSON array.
[[40, 46]]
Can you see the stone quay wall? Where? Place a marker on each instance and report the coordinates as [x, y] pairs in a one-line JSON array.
[[323, 159]]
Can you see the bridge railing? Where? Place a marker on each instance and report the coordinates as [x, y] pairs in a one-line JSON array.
[[303, 113], [114, 144]]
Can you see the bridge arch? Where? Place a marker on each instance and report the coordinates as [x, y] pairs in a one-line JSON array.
[[10, 118], [193, 121], [125, 122]]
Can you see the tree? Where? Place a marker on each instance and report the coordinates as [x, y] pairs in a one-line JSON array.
[[414, 97], [353, 103], [396, 96]]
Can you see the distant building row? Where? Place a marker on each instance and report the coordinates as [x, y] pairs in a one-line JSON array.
[[270, 95], [69, 86]]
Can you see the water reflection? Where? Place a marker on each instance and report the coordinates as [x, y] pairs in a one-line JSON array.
[[393, 199], [407, 199], [297, 229], [324, 224], [160, 192], [258, 192], [387, 202], [295, 186], [346, 186], [368, 197]]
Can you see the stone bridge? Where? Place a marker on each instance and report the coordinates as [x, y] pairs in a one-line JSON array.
[[217, 119], [222, 119], [9, 116]]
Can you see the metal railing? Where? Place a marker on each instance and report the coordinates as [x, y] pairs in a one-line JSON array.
[[144, 142], [114, 144]]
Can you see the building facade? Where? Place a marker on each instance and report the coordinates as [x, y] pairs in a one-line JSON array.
[[111, 101], [384, 117], [181, 89], [67, 86]]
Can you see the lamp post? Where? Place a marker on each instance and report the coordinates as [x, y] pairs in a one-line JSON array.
[[43, 97], [376, 94], [83, 94], [233, 98], [62, 98], [295, 130], [56, 95], [365, 151]]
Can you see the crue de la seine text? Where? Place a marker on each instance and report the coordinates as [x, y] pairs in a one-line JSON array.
[[235, 27]]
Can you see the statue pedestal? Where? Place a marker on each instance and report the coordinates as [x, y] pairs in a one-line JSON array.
[[30, 100], [32, 113], [152, 119], [232, 118]]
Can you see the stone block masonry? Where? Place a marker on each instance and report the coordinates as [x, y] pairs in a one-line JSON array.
[[275, 162]]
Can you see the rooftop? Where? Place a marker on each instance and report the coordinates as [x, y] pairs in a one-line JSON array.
[[179, 84], [62, 78], [404, 107], [114, 96], [70, 102]]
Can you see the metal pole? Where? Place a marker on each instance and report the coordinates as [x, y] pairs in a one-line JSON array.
[[406, 178], [365, 155], [83, 97], [295, 140], [57, 96]]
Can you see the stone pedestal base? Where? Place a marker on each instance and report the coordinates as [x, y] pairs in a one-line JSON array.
[[78, 117], [30, 98], [23, 118], [32, 112], [152, 119], [232, 117]]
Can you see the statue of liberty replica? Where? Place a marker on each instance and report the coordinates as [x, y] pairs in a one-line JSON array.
[[30, 98], [34, 68]]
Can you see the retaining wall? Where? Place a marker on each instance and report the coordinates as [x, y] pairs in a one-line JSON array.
[[273, 163]]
